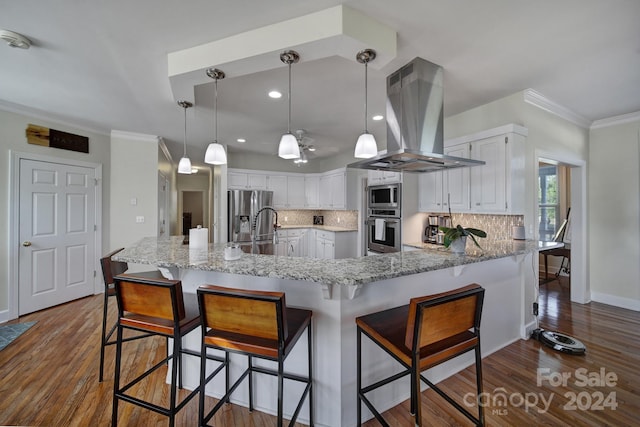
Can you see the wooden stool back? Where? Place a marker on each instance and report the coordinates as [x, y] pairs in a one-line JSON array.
[[437, 317], [259, 314]]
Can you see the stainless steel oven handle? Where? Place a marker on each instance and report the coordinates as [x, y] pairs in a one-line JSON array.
[[392, 221]]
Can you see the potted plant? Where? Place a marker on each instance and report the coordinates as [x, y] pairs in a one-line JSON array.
[[456, 237]]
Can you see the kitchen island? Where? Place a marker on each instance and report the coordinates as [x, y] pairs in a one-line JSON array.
[[340, 290]]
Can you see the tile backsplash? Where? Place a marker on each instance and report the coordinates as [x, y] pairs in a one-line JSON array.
[[497, 227], [346, 219]]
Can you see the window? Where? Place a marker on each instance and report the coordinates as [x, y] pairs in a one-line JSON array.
[[548, 201]]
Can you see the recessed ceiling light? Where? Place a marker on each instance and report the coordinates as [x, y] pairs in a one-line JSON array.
[[275, 94], [241, 140], [377, 118]]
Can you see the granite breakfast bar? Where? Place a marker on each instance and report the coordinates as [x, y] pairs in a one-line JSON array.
[[340, 290]]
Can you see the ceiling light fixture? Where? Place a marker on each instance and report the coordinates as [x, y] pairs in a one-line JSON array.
[[377, 118], [215, 154], [15, 39], [275, 94], [288, 148], [241, 140], [184, 166], [366, 146]]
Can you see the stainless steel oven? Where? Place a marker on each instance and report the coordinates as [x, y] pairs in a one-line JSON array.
[[384, 234], [384, 196]]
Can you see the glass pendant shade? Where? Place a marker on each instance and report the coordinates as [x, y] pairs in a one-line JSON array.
[[366, 147], [288, 148], [215, 154], [184, 166]]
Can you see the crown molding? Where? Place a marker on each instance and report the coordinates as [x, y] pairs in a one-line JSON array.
[[537, 99], [616, 120], [135, 136], [48, 117]]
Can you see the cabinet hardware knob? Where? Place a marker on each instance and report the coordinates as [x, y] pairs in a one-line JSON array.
[[26, 243]]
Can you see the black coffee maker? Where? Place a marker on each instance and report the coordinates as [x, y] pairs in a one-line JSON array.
[[434, 222]]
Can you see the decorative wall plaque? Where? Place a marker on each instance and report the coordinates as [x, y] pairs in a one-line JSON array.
[[46, 137]]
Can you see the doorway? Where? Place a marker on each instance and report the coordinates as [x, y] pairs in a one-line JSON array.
[[571, 183], [54, 223], [193, 207]]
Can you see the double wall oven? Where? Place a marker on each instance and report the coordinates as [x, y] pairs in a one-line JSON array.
[[384, 232]]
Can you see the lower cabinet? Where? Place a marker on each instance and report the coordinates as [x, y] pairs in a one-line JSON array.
[[312, 243], [293, 243]]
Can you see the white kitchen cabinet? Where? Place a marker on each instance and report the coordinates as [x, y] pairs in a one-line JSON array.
[[297, 242], [335, 190], [312, 191], [430, 192], [240, 180], [288, 191], [455, 184], [338, 190], [278, 184], [335, 245], [496, 187], [296, 198], [439, 189], [383, 177]]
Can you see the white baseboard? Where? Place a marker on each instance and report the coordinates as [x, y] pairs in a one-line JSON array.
[[4, 316], [622, 302]]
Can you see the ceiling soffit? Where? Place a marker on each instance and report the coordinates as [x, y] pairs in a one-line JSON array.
[[338, 31]]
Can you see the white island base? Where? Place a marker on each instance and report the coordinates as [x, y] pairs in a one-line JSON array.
[[334, 333]]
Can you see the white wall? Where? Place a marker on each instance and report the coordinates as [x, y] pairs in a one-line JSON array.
[[614, 214], [134, 175], [548, 134], [13, 138]]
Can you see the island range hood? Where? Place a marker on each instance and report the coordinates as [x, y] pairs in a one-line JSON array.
[[415, 123]]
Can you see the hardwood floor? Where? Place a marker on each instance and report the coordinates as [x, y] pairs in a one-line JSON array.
[[49, 375]]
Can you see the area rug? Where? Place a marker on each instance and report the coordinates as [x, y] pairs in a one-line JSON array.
[[8, 333]]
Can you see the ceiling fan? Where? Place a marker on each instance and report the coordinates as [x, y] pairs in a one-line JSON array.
[[306, 146]]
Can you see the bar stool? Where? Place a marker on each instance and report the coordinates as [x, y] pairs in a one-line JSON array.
[[256, 324], [110, 269], [158, 307], [429, 331]]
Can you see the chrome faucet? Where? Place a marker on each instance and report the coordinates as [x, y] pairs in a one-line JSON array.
[[255, 223]]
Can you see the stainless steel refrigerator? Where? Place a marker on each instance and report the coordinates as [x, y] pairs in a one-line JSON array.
[[243, 205]]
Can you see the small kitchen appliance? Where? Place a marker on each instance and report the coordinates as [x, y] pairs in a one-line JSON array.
[[432, 233]]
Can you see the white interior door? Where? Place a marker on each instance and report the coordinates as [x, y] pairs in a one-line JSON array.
[[57, 237]]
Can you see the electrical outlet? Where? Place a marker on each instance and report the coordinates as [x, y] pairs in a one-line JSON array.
[[140, 219]]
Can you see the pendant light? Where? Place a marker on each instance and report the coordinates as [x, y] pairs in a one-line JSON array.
[[215, 154], [184, 166], [288, 148], [366, 146]]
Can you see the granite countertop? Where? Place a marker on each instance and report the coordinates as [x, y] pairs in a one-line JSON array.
[[317, 227], [170, 252]]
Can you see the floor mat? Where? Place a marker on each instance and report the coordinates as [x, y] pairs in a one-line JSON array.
[[8, 333]]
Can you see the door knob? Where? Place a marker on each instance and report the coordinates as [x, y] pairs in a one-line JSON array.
[[26, 243]]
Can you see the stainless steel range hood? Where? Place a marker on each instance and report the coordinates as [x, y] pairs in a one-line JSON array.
[[415, 123]]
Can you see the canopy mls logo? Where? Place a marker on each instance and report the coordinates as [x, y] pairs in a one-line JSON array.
[[500, 400]]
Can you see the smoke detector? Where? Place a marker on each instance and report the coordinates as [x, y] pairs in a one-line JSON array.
[[15, 39]]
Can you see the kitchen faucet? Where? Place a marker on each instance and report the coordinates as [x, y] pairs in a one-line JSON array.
[[255, 223]]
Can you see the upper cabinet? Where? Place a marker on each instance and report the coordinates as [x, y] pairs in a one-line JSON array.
[[312, 191], [496, 187], [383, 177], [239, 180], [302, 191]]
